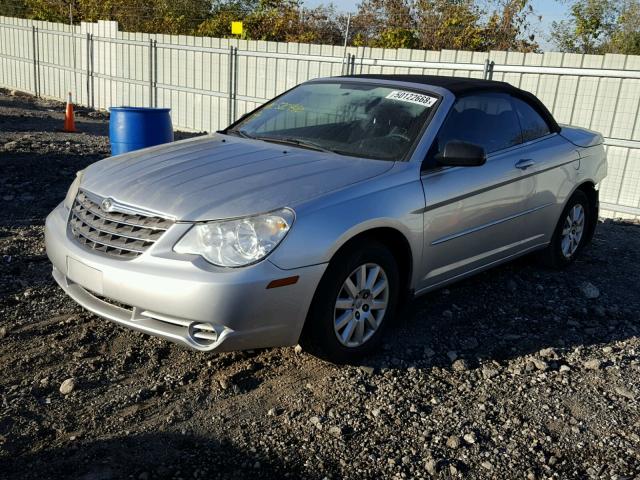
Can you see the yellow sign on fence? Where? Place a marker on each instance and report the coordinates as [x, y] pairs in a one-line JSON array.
[[236, 28]]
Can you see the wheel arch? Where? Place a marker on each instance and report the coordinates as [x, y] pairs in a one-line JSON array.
[[393, 239], [397, 243], [588, 187]]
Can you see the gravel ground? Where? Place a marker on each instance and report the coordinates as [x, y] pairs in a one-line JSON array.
[[519, 372]]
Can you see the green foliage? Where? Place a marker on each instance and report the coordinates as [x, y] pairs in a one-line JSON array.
[[155, 16], [219, 23], [427, 24], [13, 8], [626, 37], [600, 26], [274, 20], [396, 38], [590, 24], [444, 24]]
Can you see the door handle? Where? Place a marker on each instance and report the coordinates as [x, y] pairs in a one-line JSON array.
[[525, 163]]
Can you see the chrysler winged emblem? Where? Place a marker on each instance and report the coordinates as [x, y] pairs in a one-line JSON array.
[[107, 205]]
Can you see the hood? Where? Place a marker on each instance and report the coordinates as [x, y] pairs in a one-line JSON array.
[[219, 176]]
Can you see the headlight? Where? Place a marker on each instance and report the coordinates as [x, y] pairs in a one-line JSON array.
[[73, 190], [235, 243]]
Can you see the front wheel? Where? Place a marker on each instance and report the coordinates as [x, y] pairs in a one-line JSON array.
[[571, 233], [354, 303]]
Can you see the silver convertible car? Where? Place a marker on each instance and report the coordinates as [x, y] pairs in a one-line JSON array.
[[311, 218]]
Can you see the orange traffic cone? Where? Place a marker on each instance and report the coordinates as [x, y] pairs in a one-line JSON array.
[[69, 121]]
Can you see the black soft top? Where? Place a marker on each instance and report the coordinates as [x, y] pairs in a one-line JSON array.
[[461, 86]]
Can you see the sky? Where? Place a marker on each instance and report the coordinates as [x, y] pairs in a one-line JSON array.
[[550, 10]]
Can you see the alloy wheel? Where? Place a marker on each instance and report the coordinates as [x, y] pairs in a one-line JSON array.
[[572, 230], [361, 305]]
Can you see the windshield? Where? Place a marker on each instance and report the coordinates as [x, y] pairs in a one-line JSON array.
[[355, 119]]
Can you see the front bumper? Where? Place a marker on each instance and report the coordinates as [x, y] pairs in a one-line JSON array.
[[169, 295]]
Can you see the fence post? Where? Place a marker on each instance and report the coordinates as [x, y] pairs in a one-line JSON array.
[[155, 73], [230, 86], [345, 64], [353, 65], [235, 83], [150, 72], [88, 72], [34, 35], [92, 58]]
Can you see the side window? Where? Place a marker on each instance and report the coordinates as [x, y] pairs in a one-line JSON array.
[[533, 125], [486, 119]]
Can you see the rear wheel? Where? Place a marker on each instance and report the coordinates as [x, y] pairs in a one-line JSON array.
[[571, 233], [354, 303]]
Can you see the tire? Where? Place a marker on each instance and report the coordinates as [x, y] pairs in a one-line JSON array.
[[561, 252], [326, 319]]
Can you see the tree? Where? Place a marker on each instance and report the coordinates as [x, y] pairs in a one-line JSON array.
[[13, 8], [508, 27], [218, 23], [591, 24], [275, 20], [449, 24], [384, 23], [427, 24], [439, 24], [626, 37], [155, 16], [600, 26], [272, 21], [322, 24]]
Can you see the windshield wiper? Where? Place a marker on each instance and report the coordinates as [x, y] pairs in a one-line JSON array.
[[284, 140], [297, 142], [239, 133]]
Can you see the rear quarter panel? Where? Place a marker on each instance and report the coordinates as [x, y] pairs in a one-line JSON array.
[[557, 185], [593, 164]]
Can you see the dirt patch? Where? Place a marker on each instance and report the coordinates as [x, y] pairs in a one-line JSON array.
[[549, 385]]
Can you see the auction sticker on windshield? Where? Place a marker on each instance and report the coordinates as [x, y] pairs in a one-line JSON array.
[[412, 97]]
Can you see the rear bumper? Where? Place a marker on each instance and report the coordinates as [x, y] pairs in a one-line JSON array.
[[171, 296]]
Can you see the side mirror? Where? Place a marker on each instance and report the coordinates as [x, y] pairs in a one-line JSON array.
[[462, 154]]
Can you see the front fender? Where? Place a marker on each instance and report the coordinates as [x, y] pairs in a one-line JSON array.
[[323, 226]]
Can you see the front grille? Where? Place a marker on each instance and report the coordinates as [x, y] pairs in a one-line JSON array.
[[121, 235]]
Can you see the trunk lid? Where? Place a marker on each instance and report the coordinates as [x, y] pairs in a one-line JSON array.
[[581, 137]]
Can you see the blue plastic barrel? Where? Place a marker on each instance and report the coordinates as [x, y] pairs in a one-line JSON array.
[[132, 128]]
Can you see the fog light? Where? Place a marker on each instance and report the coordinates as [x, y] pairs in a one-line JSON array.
[[203, 333]]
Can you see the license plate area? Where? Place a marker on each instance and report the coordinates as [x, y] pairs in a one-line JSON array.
[[85, 276]]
